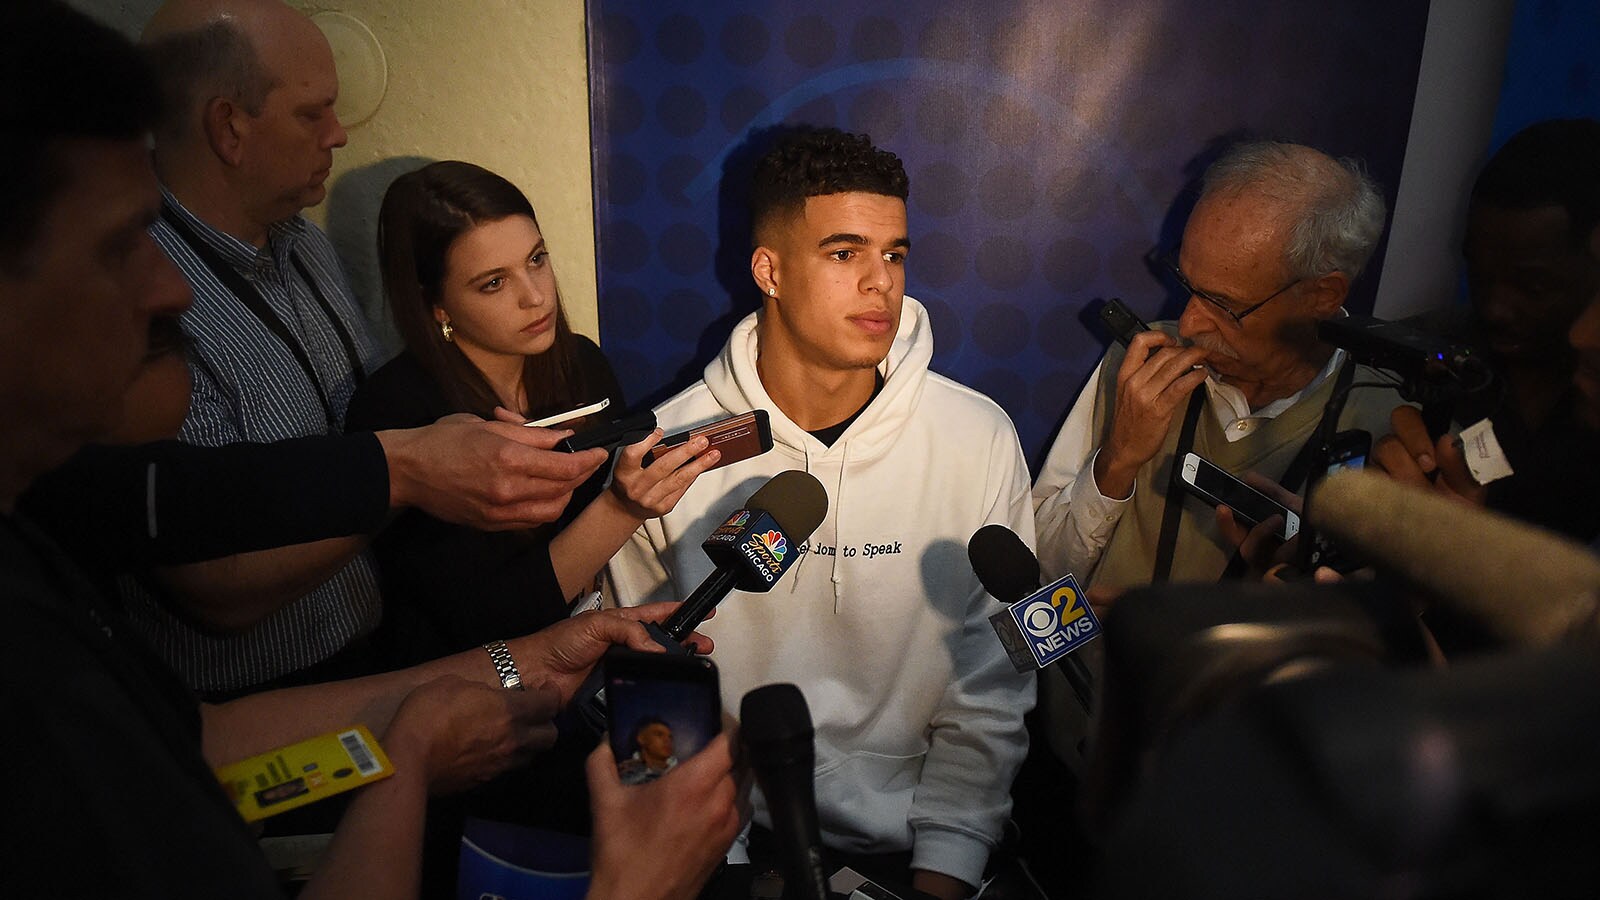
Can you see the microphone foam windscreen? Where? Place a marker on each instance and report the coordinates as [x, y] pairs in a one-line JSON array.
[[1524, 583], [773, 716], [1007, 568], [796, 499]]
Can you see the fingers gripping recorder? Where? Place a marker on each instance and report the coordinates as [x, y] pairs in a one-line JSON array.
[[751, 549]]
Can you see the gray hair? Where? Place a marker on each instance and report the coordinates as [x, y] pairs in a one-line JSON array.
[[1336, 210], [194, 66]]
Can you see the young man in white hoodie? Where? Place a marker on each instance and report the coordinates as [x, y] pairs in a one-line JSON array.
[[882, 622]]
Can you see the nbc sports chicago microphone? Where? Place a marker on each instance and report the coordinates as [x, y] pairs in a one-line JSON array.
[[751, 549], [1040, 625]]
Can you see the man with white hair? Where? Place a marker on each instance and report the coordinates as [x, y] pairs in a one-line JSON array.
[[1279, 233]]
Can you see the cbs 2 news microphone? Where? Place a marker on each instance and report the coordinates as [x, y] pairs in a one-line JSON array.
[[1046, 625]]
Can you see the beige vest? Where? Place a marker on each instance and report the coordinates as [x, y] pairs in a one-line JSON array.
[[1201, 553]]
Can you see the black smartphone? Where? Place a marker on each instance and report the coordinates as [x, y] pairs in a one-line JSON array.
[[661, 708], [626, 430], [1349, 450], [1208, 482], [738, 437], [1121, 321]]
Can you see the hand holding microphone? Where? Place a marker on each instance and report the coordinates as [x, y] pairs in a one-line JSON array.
[[751, 549]]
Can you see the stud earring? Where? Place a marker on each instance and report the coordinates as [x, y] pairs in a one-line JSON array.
[[445, 331], [772, 292]]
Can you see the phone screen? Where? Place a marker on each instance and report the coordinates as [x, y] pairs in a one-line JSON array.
[[1221, 488], [1349, 450], [661, 709]]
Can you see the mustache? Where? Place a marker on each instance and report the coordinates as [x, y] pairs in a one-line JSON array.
[[1213, 344]]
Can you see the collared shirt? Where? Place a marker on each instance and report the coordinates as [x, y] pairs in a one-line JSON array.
[[1073, 533], [249, 386]]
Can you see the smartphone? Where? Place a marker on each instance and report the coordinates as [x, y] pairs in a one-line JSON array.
[[738, 437], [626, 430], [1349, 450], [661, 708], [576, 413], [1121, 321], [1218, 488]]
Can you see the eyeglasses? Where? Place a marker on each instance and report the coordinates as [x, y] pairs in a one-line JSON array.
[[1222, 305]]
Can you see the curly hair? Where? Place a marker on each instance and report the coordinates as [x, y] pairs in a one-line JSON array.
[[815, 162]]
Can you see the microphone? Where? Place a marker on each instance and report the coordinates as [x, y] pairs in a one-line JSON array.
[[1525, 584], [775, 728], [751, 549], [754, 547], [1406, 351], [1038, 625]]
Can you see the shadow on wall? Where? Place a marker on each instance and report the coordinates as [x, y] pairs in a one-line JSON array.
[[353, 204]]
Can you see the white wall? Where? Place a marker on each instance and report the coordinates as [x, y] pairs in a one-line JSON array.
[[1458, 91]]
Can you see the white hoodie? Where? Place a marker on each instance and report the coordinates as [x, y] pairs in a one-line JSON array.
[[882, 622]]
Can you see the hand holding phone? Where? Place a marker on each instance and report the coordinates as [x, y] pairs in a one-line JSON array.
[[627, 430], [1121, 321], [738, 437], [579, 412], [1215, 486], [661, 708]]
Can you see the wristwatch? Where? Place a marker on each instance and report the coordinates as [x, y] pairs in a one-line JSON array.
[[504, 665]]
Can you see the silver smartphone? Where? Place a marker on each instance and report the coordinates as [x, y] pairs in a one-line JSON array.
[[1211, 484], [585, 410]]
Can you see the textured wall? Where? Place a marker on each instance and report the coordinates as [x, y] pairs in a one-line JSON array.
[[1050, 147], [502, 83]]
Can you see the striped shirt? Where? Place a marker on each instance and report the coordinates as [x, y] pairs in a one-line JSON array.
[[249, 386]]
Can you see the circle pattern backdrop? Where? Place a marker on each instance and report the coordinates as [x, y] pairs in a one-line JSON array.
[[1052, 149]]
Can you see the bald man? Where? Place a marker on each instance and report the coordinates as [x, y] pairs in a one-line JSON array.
[[277, 342]]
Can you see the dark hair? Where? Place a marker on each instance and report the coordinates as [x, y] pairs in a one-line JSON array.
[[63, 77], [814, 162], [423, 214], [641, 725], [1550, 163], [191, 67]]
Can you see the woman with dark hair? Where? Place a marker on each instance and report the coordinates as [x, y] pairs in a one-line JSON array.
[[471, 287]]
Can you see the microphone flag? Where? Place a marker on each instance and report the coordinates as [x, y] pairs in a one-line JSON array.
[[1046, 625]]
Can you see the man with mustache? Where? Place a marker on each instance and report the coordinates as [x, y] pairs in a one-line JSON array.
[[1278, 234]]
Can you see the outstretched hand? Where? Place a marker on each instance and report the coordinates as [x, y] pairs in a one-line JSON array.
[[1261, 545], [562, 654], [489, 475], [461, 733], [1411, 456], [663, 839], [646, 492]]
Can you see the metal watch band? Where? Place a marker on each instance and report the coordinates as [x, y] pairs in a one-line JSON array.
[[504, 665]]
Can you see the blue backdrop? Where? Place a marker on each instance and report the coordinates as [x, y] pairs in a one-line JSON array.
[[1051, 149]]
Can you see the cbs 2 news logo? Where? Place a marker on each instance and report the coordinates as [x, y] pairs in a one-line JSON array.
[[1055, 620]]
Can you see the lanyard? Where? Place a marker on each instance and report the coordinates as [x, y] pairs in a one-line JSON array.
[[251, 297]]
